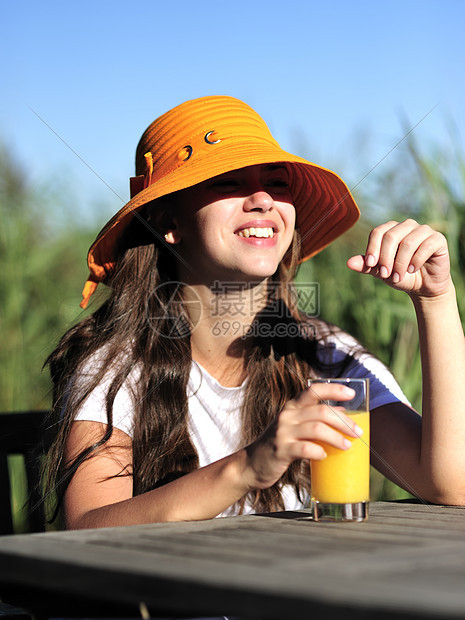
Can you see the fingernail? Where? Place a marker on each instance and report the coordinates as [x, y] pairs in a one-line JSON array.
[[383, 272], [411, 269], [347, 444], [358, 430], [349, 391], [370, 260], [395, 277]]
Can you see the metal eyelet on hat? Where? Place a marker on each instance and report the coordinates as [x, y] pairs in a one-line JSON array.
[[208, 141], [189, 150]]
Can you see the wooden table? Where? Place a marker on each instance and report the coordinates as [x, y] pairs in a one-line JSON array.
[[406, 561]]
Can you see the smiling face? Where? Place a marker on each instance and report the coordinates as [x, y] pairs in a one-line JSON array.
[[233, 227]]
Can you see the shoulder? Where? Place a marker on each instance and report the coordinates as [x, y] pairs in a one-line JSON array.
[[332, 344], [103, 365], [97, 377], [338, 353]]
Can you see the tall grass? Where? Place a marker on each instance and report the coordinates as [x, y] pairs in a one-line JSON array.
[[42, 253], [43, 267]]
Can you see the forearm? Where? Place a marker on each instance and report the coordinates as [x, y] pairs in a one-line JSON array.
[[99, 496], [442, 347], [201, 494]]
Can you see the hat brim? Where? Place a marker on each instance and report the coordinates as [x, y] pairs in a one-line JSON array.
[[325, 208]]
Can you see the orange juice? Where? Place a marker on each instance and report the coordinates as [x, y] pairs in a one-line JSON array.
[[343, 477]]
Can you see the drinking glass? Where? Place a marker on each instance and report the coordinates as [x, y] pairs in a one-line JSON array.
[[340, 483]]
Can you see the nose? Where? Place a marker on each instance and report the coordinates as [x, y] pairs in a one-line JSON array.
[[258, 201]]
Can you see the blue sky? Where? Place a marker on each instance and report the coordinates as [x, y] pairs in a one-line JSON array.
[[320, 73]]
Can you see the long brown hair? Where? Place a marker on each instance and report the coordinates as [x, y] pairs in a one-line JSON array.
[[133, 330]]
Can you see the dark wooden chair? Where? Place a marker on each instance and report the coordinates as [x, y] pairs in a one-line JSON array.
[[22, 433]]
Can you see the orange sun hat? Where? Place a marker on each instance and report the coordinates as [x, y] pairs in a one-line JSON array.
[[203, 138]]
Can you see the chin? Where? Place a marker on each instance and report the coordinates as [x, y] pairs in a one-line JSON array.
[[249, 268], [259, 274]]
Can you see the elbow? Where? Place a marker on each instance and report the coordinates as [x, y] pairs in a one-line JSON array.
[[448, 493], [449, 498]]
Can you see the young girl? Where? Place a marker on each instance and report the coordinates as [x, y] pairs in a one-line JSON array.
[[183, 396]]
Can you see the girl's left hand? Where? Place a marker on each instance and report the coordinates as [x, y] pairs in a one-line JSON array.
[[408, 256]]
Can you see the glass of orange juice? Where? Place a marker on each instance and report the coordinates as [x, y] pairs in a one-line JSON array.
[[340, 483]]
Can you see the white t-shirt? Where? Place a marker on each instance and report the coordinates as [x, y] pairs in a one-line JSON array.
[[215, 410]]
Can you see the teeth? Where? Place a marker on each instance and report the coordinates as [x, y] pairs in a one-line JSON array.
[[256, 232]]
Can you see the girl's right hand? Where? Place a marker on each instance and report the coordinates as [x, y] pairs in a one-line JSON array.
[[298, 432]]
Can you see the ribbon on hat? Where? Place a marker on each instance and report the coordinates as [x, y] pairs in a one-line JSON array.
[[137, 184], [88, 291], [148, 169]]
